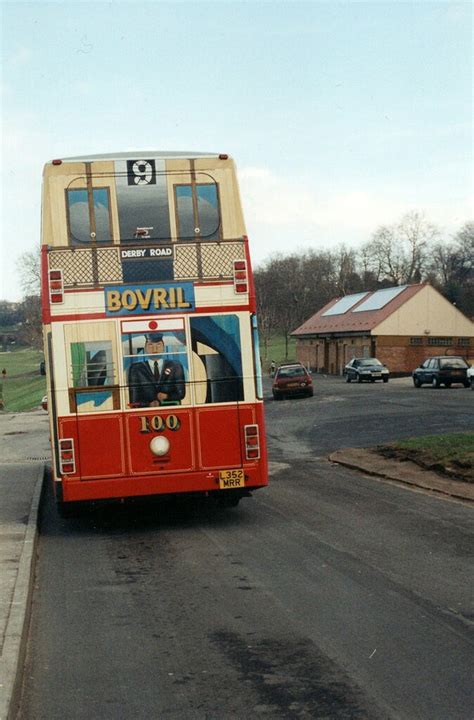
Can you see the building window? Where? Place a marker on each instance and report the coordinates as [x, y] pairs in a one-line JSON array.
[[416, 341], [440, 341], [464, 341]]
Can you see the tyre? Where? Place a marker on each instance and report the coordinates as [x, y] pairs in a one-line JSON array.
[[385, 380], [359, 378], [467, 384], [416, 382], [472, 383], [435, 382], [67, 510], [348, 379], [230, 501], [276, 396], [447, 384]]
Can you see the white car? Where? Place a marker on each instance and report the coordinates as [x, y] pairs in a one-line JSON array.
[[470, 375]]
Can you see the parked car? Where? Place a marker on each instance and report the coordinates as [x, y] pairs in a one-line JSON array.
[[292, 379], [366, 370], [470, 376], [442, 370]]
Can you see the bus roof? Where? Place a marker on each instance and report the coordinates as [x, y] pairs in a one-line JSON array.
[[138, 154]]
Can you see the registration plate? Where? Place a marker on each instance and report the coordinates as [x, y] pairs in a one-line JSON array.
[[231, 479]]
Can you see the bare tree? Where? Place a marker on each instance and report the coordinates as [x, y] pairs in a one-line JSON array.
[[400, 252], [30, 332], [30, 273]]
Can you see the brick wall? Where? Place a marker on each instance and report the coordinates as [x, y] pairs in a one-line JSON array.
[[394, 351], [402, 357]]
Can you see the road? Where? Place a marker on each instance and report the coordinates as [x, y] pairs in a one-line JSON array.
[[328, 595]]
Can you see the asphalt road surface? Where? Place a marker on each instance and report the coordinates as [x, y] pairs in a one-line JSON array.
[[329, 594]]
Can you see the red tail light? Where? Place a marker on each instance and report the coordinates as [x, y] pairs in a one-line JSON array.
[[252, 442], [67, 461], [56, 286], [240, 276]]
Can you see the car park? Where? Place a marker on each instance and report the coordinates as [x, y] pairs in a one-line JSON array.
[[292, 379], [442, 370], [366, 370]]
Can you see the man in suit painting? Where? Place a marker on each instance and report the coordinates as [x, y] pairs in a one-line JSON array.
[[155, 381]]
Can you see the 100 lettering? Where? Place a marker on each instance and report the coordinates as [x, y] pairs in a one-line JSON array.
[[157, 423]]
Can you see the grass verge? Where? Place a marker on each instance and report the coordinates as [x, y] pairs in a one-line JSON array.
[[451, 454], [21, 386]]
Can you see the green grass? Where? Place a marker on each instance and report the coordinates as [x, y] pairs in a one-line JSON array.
[[22, 387], [275, 350], [442, 447]]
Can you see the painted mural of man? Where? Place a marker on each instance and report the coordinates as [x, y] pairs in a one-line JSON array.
[[154, 380]]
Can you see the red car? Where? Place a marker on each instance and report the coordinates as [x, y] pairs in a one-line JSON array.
[[292, 379]]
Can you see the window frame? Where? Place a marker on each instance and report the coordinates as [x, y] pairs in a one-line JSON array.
[[76, 243], [216, 236]]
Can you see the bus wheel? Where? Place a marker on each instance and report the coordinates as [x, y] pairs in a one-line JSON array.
[[67, 510], [229, 501]]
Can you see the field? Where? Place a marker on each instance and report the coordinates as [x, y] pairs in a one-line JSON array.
[[275, 350], [21, 386]]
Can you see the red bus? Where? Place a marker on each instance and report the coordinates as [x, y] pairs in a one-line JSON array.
[[151, 344]]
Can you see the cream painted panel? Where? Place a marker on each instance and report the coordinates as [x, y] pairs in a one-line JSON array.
[[216, 296], [80, 303], [247, 357], [426, 313], [60, 369]]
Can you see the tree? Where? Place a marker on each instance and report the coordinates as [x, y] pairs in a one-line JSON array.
[[30, 272], [452, 269], [30, 279], [30, 332], [399, 253]]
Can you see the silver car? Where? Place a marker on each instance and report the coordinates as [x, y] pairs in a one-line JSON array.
[[366, 370]]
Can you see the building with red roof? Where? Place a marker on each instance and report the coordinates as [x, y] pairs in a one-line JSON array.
[[401, 326]]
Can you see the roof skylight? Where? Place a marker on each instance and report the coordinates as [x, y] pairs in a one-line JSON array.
[[344, 304]]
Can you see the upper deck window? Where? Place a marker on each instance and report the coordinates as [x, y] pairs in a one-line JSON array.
[[197, 211], [88, 216]]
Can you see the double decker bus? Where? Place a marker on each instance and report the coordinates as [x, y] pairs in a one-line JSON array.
[[150, 332]]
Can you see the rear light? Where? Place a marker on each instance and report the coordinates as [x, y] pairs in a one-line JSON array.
[[56, 286], [57, 162], [252, 442], [240, 276], [67, 462], [223, 156]]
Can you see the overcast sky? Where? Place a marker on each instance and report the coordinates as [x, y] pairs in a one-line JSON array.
[[341, 116]]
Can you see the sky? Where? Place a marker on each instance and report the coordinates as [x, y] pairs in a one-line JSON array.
[[341, 115]]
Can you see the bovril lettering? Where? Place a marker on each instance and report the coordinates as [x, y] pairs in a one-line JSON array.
[[152, 298]]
